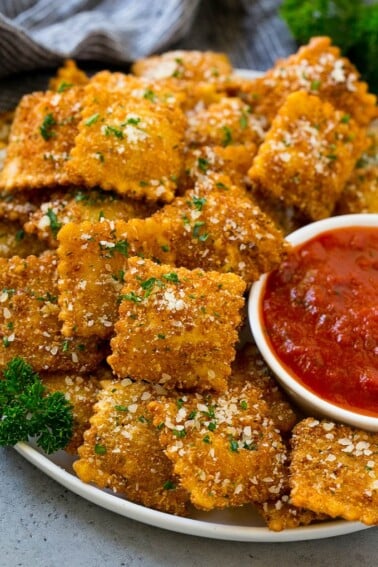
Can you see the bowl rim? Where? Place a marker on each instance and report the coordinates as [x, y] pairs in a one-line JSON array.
[[322, 407]]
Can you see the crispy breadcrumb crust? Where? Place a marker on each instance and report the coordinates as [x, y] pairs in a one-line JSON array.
[[183, 322], [250, 367], [196, 66], [67, 76], [224, 447], [81, 391], [318, 69], [41, 138], [334, 470], [218, 227], [29, 324], [136, 146], [121, 450], [308, 155]]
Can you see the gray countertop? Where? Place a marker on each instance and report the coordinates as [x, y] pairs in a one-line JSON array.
[[42, 524]]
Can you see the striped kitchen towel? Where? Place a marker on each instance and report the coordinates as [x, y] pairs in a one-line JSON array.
[[35, 34]]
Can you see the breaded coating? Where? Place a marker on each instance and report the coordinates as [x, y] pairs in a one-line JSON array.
[[308, 155], [14, 241], [224, 448], [67, 76], [286, 217], [334, 470], [128, 145], [224, 123], [29, 325], [18, 206], [42, 135], [318, 69], [185, 65], [81, 392], [218, 227], [201, 163], [78, 205], [183, 322], [121, 450], [89, 290], [280, 515], [250, 367], [360, 194]]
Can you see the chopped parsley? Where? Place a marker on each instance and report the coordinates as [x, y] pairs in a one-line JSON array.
[[227, 136], [315, 85], [92, 119], [234, 445], [243, 121], [46, 127], [55, 225], [169, 485], [243, 405], [179, 433], [132, 296], [171, 277], [121, 408], [27, 410], [196, 231], [165, 247], [113, 131], [198, 203], [100, 449], [64, 87], [203, 164], [345, 119], [149, 95]]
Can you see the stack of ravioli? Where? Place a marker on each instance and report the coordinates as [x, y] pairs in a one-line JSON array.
[[136, 212]]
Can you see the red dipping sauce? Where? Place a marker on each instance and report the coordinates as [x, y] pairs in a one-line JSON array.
[[320, 312]]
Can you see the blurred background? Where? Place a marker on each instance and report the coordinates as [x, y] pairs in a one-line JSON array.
[[37, 35]]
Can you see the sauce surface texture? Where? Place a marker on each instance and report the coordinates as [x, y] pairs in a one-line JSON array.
[[320, 312]]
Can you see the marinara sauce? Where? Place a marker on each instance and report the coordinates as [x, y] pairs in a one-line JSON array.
[[320, 311]]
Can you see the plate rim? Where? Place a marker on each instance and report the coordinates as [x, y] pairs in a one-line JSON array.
[[181, 524]]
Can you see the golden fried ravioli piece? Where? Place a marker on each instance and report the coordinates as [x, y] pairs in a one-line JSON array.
[[224, 123], [234, 161], [67, 76], [29, 325], [318, 69], [14, 241], [250, 367], [218, 227], [185, 65], [89, 290], [42, 135], [78, 205], [308, 155], [334, 470], [360, 194], [279, 514], [128, 145], [81, 391], [224, 448], [121, 449], [184, 323]]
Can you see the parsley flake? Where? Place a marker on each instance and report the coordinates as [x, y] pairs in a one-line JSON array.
[[92, 119], [46, 127]]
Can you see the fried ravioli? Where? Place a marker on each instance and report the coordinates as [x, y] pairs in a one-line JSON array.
[[183, 322], [250, 367], [29, 325], [128, 145], [334, 470], [308, 155], [81, 391], [41, 138], [224, 448], [121, 449]]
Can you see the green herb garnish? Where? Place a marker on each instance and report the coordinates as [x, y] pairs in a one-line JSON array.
[[46, 127], [27, 410]]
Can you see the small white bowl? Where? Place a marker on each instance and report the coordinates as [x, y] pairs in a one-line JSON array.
[[311, 403]]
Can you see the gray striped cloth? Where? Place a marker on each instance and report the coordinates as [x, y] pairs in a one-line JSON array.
[[37, 35]]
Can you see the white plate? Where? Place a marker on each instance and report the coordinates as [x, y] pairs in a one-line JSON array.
[[241, 524]]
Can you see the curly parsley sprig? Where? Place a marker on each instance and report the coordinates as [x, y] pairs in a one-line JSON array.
[[26, 410]]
